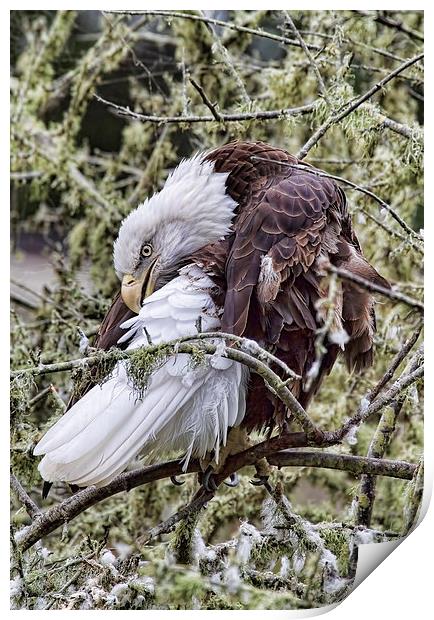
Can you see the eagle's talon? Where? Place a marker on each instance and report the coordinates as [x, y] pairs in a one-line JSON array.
[[178, 483], [261, 481], [234, 480], [208, 480]]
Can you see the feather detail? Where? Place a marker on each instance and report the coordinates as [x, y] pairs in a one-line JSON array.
[[184, 409]]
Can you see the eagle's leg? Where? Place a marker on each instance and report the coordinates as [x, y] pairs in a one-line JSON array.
[[237, 441]]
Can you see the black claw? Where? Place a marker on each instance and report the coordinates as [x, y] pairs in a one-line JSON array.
[[234, 480], [208, 482], [176, 482], [46, 489], [261, 481]]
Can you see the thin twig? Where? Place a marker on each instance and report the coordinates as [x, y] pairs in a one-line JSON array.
[[377, 448], [223, 24], [344, 274], [225, 117], [198, 501], [393, 23], [396, 362], [205, 99], [321, 85]]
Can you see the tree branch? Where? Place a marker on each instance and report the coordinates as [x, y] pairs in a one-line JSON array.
[[205, 99], [381, 440], [393, 23], [356, 465], [351, 106], [223, 24], [321, 85], [32, 508], [374, 288], [62, 513], [198, 501], [225, 117]]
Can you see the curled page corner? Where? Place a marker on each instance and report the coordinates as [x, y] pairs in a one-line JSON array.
[[371, 555]]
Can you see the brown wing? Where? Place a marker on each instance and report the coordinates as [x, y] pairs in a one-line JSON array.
[[275, 246], [110, 331], [291, 217], [107, 337]]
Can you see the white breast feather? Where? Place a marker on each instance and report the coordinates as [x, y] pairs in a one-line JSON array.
[[184, 410]]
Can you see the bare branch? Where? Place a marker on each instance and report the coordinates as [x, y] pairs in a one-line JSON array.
[[205, 99], [322, 86], [225, 117], [198, 501], [223, 24], [374, 288], [363, 413], [393, 23], [59, 514], [356, 465], [403, 130], [396, 362]]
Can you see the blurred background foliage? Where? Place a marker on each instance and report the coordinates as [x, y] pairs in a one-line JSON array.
[[77, 168]]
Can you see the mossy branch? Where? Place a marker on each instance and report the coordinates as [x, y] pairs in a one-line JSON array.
[[349, 107], [70, 508]]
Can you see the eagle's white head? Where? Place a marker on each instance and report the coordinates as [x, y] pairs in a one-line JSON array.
[[192, 210]]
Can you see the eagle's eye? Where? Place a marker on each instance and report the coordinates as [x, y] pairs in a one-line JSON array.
[[147, 250]]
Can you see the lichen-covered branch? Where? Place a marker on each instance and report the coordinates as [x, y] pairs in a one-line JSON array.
[[351, 106], [226, 117], [62, 513]]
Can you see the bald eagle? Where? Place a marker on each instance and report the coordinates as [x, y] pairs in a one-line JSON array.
[[234, 241]]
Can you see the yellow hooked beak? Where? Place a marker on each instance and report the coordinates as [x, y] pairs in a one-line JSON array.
[[131, 290]]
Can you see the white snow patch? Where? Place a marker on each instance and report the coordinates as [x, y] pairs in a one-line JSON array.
[[15, 586], [285, 567], [364, 537], [200, 550], [83, 343], [19, 534], [216, 359], [232, 579], [250, 346]]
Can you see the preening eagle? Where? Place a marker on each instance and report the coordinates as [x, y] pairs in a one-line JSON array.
[[234, 241]]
